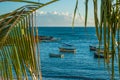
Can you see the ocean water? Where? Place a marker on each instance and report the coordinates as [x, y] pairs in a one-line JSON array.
[[79, 66]]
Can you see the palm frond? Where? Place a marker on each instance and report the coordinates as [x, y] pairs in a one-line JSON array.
[[86, 12], [75, 10], [18, 44], [25, 1], [107, 30]]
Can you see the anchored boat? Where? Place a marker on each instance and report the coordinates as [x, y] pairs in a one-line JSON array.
[[47, 38], [101, 55], [92, 48], [67, 49], [56, 55]]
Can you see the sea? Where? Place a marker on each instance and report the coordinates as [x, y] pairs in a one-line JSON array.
[[79, 66]]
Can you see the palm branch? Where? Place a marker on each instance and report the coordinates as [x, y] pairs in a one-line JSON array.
[[19, 51], [107, 29]]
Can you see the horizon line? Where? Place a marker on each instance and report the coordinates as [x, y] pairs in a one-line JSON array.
[[65, 26]]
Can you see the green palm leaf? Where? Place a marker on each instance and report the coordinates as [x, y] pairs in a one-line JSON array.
[[75, 10], [86, 12], [18, 53]]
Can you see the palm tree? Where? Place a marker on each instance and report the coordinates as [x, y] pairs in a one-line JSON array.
[[19, 52]]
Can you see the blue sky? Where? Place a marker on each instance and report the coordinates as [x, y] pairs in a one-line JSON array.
[[57, 14]]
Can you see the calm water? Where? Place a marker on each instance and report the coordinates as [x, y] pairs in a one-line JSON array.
[[79, 66]]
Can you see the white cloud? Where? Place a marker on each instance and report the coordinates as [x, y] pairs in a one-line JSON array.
[[55, 12], [40, 12], [60, 19]]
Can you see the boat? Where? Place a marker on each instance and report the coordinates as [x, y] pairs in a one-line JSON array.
[[92, 48], [100, 55], [56, 55], [47, 38], [95, 48], [66, 49]]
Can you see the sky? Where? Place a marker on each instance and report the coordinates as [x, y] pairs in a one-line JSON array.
[[59, 13]]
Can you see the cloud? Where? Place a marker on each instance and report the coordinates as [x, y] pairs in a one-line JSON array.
[[59, 19]]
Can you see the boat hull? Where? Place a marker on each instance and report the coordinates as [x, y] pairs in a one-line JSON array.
[[101, 55], [56, 55], [92, 48], [67, 50], [96, 55]]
